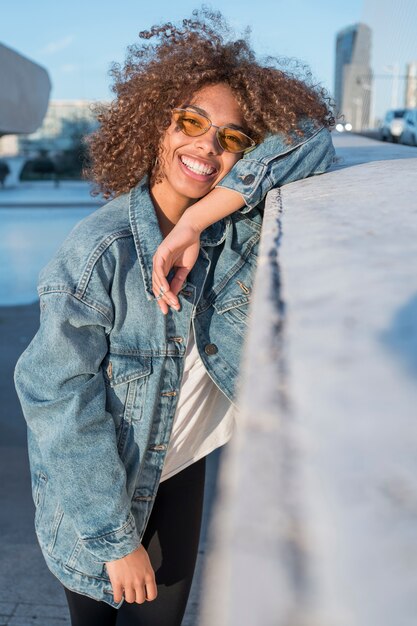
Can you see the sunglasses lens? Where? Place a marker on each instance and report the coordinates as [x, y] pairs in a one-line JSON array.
[[233, 140], [192, 124]]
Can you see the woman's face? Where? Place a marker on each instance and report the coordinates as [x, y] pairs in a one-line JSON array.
[[192, 166]]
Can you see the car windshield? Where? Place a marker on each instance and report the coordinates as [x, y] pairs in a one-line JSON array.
[[399, 113]]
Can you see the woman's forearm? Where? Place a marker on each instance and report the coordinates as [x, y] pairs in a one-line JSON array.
[[217, 204]]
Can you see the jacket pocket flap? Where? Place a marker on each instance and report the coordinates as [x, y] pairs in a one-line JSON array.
[[119, 369], [224, 304]]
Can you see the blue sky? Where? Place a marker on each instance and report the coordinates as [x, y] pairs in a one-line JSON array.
[[77, 41]]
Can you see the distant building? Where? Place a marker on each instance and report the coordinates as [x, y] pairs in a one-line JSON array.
[[353, 75], [24, 93], [66, 121], [411, 85]]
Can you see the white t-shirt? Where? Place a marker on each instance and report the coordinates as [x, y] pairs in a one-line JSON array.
[[204, 417]]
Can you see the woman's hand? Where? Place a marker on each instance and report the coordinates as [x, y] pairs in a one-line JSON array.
[[178, 250], [133, 577]]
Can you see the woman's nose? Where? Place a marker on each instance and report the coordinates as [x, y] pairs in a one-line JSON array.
[[208, 142]]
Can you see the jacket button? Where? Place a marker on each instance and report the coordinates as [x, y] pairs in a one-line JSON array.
[[211, 348], [248, 180]]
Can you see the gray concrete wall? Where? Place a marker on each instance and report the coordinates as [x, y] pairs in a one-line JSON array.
[[316, 520], [24, 93]]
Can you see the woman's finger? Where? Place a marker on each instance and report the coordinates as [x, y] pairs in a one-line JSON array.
[[140, 594], [167, 295], [161, 268], [162, 305], [178, 280], [159, 274], [130, 594], [151, 590], [162, 282], [164, 261], [117, 592], [164, 299]]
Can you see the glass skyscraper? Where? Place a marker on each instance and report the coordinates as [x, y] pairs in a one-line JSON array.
[[353, 75]]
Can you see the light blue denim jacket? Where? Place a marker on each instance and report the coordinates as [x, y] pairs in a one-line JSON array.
[[99, 382]]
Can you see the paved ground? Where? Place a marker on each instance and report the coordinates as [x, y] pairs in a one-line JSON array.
[[43, 194], [29, 594]]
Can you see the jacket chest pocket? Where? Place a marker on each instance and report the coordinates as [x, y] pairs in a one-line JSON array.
[[234, 311], [126, 379], [233, 299]]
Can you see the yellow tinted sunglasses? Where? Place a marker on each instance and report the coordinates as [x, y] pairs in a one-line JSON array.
[[194, 124]]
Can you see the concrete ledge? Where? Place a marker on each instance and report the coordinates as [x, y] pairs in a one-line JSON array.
[[356, 149], [316, 517]]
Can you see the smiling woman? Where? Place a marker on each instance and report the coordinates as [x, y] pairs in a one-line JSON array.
[[193, 162], [130, 381]]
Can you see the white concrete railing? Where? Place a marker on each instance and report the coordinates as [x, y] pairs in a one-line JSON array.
[[316, 516]]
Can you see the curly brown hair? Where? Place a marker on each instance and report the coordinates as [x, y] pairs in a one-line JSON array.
[[156, 77]]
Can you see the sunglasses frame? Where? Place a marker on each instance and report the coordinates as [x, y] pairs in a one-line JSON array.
[[219, 128]]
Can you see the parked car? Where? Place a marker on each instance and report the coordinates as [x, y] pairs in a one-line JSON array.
[[409, 134], [392, 127]]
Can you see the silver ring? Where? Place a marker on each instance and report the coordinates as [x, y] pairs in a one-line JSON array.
[[160, 294]]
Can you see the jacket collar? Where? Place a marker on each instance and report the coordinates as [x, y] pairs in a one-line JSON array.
[[147, 234]]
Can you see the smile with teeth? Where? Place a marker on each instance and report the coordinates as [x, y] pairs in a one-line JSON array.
[[197, 166]]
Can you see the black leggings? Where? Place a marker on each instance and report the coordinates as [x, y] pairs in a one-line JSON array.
[[171, 539]]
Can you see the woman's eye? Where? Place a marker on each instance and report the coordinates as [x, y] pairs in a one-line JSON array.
[[233, 139], [192, 121]]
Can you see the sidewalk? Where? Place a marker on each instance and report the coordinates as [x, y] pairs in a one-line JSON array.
[[29, 594], [44, 194]]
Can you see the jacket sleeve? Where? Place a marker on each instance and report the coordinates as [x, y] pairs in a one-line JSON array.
[[62, 392], [275, 162]]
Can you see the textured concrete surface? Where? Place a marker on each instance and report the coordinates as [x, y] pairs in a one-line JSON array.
[[318, 490], [348, 262]]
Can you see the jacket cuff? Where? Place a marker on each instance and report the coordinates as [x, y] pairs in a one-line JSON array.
[[246, 177], [114, 545]]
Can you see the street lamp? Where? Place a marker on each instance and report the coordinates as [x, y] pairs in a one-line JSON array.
[[358, 102], [394, 71], [366, 85]]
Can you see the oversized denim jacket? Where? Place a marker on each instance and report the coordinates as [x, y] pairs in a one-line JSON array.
[[99, 382]]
